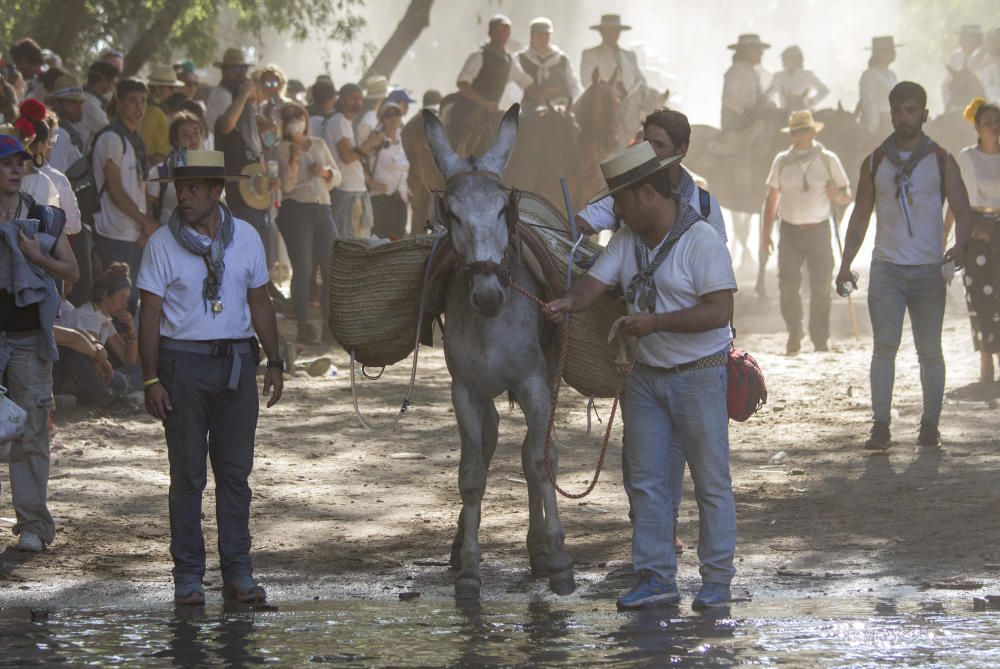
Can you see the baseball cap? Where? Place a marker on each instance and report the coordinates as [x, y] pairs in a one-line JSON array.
[[12, 146], [399, 95]]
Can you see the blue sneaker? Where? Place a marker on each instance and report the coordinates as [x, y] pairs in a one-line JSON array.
[[650, 589], [712, 595]]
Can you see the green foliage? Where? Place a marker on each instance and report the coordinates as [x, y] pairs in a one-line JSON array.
[[94, 25]]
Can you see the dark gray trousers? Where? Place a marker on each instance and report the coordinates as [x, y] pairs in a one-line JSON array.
[[209, 422], [810, 245]]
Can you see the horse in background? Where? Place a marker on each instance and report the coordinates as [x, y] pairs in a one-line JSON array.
[[547, 148], [598, 116]]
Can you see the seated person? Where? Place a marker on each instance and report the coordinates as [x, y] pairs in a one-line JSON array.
[[107, 318], [84, 371]]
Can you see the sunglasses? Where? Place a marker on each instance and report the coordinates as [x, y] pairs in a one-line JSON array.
[[271, 84]]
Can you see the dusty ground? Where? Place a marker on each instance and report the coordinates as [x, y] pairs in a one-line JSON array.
[[334, 515]]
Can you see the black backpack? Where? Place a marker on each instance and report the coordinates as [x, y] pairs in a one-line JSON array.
[[81, 178]]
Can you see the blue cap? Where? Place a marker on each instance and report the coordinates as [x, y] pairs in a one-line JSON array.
[[11, 146], [398, 95]]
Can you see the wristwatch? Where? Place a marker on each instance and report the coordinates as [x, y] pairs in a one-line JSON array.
[[277, 363]]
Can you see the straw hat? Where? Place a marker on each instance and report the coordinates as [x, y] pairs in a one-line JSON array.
[[883, 43], [66, 87], [233, 57], [630, 166], [800, 120], [610, 21], [255, 188], [163, 75], [376, 87], [201, 165], [749, 40]]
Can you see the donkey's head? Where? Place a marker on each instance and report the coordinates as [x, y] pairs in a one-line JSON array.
[[477, 209]]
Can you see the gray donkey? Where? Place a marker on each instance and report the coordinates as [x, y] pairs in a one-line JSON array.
[[493, 344]]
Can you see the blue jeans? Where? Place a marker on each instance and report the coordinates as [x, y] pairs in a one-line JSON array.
[[209, 421], [342, 204], [892, 290], [663, 411]]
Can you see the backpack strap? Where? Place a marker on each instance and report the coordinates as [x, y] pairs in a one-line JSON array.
[[108, 128], [704, 202]]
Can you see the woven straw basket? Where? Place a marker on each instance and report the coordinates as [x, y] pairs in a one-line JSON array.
[[375, 297], [590, 361]]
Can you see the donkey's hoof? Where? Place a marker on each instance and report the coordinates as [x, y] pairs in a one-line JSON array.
[[538, 568], [562, 582], [467, 587]]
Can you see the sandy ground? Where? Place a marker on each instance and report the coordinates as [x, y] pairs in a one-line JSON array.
[[336, 516]]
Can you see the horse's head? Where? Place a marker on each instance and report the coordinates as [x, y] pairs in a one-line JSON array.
[[479, 212]]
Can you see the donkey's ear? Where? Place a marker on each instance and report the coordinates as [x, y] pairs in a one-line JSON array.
[[496, 158], [447, 160]]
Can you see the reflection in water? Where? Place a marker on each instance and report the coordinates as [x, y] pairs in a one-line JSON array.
[[538, 632]]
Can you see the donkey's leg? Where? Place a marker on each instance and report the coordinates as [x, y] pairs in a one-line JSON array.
[[537, 551], [472, 485], [535, 397], [491, 424]]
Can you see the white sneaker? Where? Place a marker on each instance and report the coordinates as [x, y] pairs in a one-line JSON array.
[[30, 543]]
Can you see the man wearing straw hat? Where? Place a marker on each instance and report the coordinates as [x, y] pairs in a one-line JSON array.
[[679, 285], [805, 180], [608, 58], [66, 100], [203, 283], [876, 83], [743, 91], [162, 83]]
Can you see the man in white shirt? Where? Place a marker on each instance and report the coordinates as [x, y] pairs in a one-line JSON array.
[[794, 87], [805, 180], [678, 281], [608, 58], [965, 57], [350, 201], [67, 100], [122, 226], [102, 80], [669, 133], [481, 84], [743, 91], [204, 295], [874, 88]]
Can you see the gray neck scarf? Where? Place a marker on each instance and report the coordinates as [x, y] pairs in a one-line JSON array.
[[642, 287], [211, 251]]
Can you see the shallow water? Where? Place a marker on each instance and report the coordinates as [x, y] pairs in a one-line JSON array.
[[438, 632]]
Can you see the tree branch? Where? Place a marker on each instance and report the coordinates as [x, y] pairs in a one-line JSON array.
[[154, 36], [415, 20]]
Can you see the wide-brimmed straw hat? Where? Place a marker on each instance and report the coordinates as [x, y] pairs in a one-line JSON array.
[[883, 43], [233, 57], [163, 75], [201, 165], [630, 166], [801, 120], [611, 21], [748, 40], [66, 87], [376, 87]]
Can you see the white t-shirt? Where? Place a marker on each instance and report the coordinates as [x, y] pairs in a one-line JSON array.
[[367, 126], [801, 85], [337, 128], [173, 273], [40, 188], [96, 322], [981, 174], [800, 206], [601, 215], [67, 198], [94, 119], [169, 194], [218, 102], [391, 168], [698, 264], [64, 152], [110, 221]]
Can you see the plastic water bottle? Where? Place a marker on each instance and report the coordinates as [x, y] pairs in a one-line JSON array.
[[848, 287]]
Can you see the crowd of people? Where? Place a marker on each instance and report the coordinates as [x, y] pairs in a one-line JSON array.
[[139, 215]]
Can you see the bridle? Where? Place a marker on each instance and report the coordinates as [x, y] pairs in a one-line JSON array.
[[502, 270]]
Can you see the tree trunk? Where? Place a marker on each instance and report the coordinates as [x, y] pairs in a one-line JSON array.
[[73, 12], [416, 18], [154, 36]]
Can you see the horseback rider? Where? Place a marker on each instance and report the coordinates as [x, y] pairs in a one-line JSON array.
[[743, 99], [481, 85], [805, 180], [876, 83], [608, 58], [549, 67], [795, 88], [967, 56]]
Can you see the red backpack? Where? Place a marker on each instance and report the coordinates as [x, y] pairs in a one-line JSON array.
[[746, 390]]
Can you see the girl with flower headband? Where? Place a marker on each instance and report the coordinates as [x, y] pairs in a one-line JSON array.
[[31, 127], [980, 167]]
